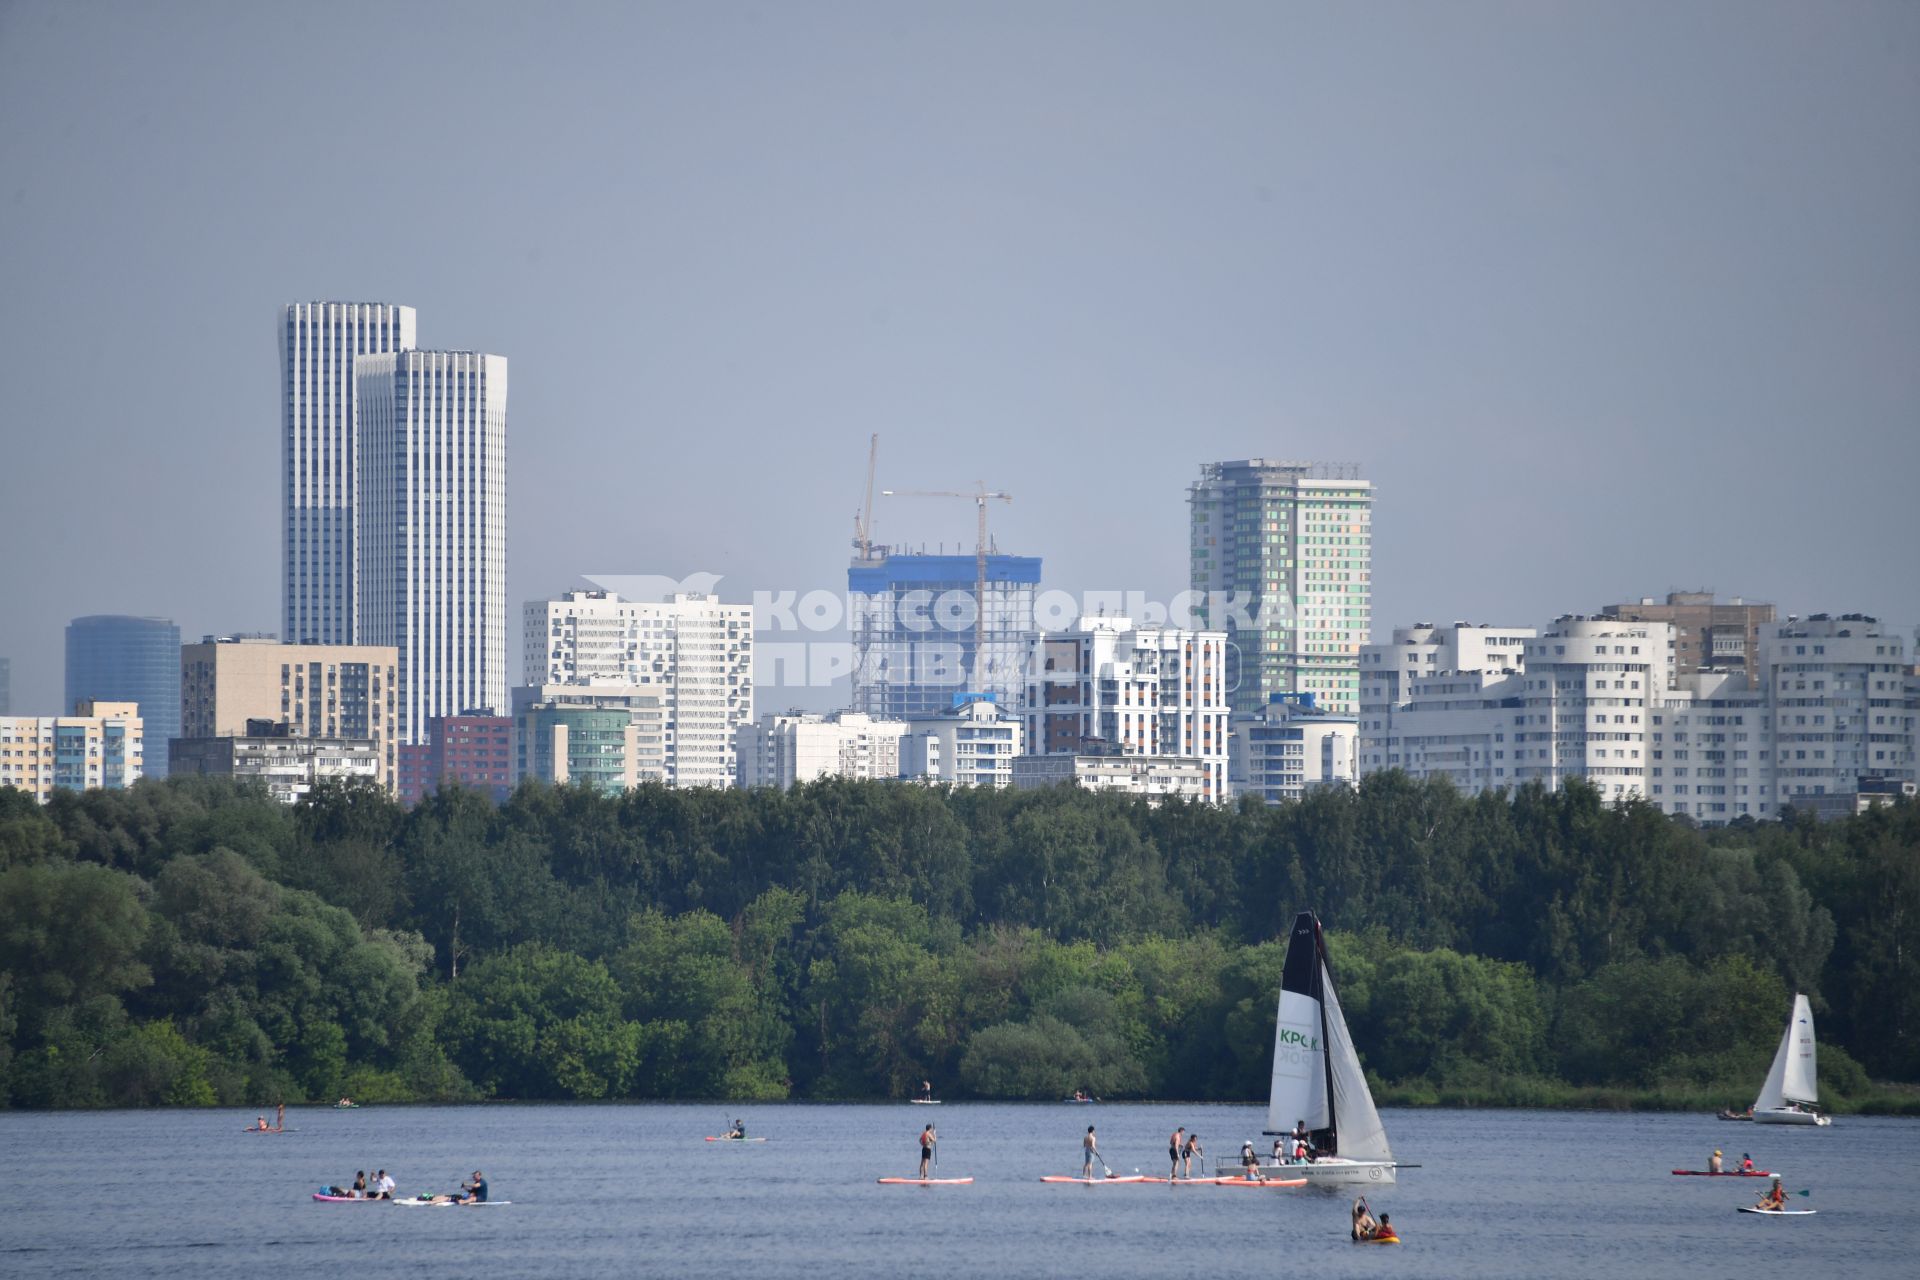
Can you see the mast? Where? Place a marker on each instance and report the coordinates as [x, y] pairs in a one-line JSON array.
[[1332, 1143]]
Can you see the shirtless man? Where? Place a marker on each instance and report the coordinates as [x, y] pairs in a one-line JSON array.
[[928, 1138], [1173, 1150], [1089, 1152], [1713, 1162]]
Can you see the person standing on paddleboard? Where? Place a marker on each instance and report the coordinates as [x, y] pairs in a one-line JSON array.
[[1089, 1152], [927, 1138], [1188, 1150]]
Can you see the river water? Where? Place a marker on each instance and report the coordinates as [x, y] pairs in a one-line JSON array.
[[620, 1190]]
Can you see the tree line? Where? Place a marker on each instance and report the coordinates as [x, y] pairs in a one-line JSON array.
[[193, 942]]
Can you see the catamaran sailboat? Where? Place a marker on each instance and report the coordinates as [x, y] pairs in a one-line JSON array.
[[1790, 1094], [1317, 1076]]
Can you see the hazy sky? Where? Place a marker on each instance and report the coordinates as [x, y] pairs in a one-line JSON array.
[[1606, 298]]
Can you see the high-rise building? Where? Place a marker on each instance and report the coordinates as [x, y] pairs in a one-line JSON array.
[[1707, 636], [432, 526], [1589, 691], [1108, 687], [1282, 560], [111, 658], [972, 745], [1843, 705], [1443, 701], [691, 650], [319, 449], [100, 745], [317, 691], [916, 625]]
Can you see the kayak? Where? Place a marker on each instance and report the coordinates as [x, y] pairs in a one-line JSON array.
[[1079, 1099], [1730, 1173], [1255, 1182], [1387, 1239], [324, 1198], [417, 1202], [923, 1182], [346, 1106], [736, 1139], [924, 1102], [1101, 1182], [253, 1130], [1778, 1213]]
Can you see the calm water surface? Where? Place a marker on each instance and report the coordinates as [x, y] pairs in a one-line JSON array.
[[633, 1190]]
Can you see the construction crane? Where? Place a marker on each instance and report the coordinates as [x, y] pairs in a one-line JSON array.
[[980, 497], [863, 522]]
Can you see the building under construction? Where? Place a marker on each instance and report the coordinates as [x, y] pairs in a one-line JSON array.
[[918, 640]]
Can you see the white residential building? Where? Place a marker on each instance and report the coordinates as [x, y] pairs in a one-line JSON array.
[[1589, 690], [782, 750], [973, 745], [319, 452], [433, 527], [1282, 558], [1843, 705], [1108, 686], [695, 651], [1292, 749], [1712, 749], [1444, 701], [1155, 777]]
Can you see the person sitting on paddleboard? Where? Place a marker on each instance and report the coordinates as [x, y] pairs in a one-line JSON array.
[[1363, 1224], [381, 1188], [1174, 1140], [1188, 1150], [360, 1185], [1776, 1197], [476, 1190], [1713, 1162], [738, 1131], [1250, 1163], [1385, 1230]]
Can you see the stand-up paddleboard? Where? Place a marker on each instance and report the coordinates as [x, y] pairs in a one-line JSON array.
[[923, 1182], [1388, 1239], [1730, 1173], [924, 1102], [1778, 1213], [1254, 1182], [736, 1139], [287, 1130], [1101, 1182], [324, 1198], [418, 1203]]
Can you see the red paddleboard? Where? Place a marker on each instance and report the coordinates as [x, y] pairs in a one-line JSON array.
[[1730, 1173], [327, 1199], [1100, 1182], [736, 1139], [923, 1182]]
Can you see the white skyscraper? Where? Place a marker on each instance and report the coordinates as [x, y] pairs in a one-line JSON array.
[[433, 527], [319, 343]]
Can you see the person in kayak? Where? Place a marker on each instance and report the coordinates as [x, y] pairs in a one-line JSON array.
[[1713, 1162], [927, 1140], [1746, 1163], [1364, 1226], [1776, 1197], [1188, 1150], [1174, 1140], [1089, 1152]]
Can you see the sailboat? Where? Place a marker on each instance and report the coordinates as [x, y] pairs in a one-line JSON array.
[[1790, 1094], [1317, 1077]]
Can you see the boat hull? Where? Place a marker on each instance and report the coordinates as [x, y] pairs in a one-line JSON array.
[[1784, 1116], [1335, 1172]]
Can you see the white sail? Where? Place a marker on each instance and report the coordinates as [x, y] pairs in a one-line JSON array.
[[1299, 1066], [1771, 1098], [1797, 1080], [1357, 1121]]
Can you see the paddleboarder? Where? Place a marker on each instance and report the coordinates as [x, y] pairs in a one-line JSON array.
[[381, 1188], [1089, 1152], [927, 1139], [739, 1131], [1776, 1197], [1363, 1224], [1188, 1150], [926, 1091], [280, 1118], [1174, 1140]]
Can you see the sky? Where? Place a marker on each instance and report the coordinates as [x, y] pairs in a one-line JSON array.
[[1607, 300]]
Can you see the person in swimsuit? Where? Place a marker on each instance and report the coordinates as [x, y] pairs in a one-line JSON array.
[[360, 1185], [1385, 1230], [261, 1125], [1713, 1162], [927, 1138], [1364, 1226], [1188, 1150], [1089, 1152], [1746, 1163], [926, 1090], [1173, 1150], [1776, 1197], [280, 1118]]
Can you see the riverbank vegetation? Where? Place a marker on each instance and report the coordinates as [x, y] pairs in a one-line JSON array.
[[192, 942]]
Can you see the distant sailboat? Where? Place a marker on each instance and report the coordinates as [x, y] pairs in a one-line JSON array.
[[1790, 1093], [1317, 1076]]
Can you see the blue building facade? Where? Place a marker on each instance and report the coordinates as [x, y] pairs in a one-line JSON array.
[[921, 635], [112, 658]]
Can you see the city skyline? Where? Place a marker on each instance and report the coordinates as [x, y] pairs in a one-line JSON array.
[[1589, 344]]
